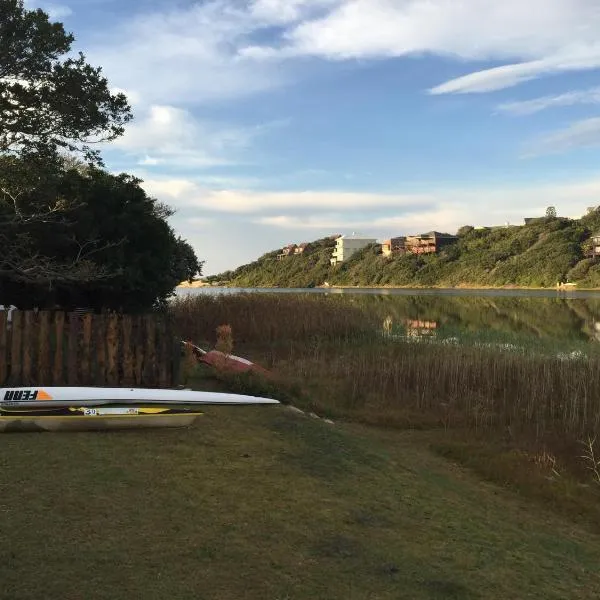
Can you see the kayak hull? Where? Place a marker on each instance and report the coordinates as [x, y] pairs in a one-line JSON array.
[[81, 419]]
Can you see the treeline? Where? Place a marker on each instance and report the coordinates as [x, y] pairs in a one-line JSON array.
[[539, 254], [71, 233]]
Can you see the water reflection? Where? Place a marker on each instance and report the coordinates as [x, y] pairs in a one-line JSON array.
[[495, 315]]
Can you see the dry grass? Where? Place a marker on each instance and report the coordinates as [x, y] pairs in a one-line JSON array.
[[348, 369]]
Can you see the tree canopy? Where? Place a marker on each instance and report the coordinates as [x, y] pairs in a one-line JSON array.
[[49, 99], [70, 233], [107, 245]]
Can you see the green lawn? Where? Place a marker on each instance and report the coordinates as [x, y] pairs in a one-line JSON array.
[[263, 503]]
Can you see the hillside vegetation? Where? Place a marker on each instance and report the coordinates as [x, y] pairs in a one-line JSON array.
[[539, 254]]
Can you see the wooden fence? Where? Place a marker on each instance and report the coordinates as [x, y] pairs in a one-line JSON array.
[[57, 348]]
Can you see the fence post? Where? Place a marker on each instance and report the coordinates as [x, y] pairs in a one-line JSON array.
[[163, 354], [112, 350], [128, 354], [3, 346], [43, 365], [28, 331], [73, 349], [86, 348], [16, 334], [58, 369], [139, 349], [150, 351]]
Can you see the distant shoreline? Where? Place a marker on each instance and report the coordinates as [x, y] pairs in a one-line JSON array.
[[470, 287]]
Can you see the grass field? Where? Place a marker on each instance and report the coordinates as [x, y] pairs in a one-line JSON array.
[[447, 474], [267, 504]]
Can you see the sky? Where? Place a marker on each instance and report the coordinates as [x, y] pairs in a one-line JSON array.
[[267, 122]]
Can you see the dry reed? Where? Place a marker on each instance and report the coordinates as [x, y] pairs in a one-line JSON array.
[[351, 370]]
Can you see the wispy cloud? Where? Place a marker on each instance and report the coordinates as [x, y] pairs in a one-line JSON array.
[[537, 36], [581, 134], [529, 107], [433, 208], [571, 59], [173, 137]]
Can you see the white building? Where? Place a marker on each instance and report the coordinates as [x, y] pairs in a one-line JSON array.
[[347, 245]]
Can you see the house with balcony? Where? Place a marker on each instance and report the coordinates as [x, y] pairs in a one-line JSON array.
[[393, 246], [287, 251], [429, 243], [347, 245], [594, 249]]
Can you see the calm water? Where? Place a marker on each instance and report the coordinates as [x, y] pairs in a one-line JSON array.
[[523, 317]]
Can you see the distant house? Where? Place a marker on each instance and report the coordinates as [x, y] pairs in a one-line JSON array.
[[301, 248], [393, 246], [429, 243], [287, 251], [594, 251], [347, 245]]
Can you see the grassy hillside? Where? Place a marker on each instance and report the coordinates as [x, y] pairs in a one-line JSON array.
[[535, 255]]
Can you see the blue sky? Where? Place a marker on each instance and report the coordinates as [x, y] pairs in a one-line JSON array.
[[265, 122]]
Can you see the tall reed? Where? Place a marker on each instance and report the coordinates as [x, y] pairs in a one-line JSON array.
[[339, 353]]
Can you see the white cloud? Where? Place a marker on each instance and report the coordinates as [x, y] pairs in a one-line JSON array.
[[432, 209], [184, 55], [192, 194], [528, 107], [580, 134], [545, 36], [170, 136], [278, 217], [497, 78]]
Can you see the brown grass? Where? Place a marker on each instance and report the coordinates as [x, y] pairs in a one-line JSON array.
[[348, 369]]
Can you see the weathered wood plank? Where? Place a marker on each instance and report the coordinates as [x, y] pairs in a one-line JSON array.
[[16, 351], [73, 350], [86, 349], [100, 351], [58, 369], [128, 352], [150, 352], [112, 350], [28, 347], [139, 348], [3, 346], [43, 362], [163, 348]]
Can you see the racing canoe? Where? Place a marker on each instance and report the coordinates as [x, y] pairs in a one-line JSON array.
[[34, 397]]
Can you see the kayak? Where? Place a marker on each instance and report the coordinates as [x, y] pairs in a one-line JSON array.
[[93, 419], [37, 397]]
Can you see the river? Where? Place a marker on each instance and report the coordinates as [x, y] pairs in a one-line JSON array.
[[567, 319]]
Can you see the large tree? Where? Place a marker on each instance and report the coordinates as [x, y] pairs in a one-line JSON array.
[[70, 233], [112, 247], [51, 100]]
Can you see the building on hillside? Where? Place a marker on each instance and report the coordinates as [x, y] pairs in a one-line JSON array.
[[300, 249], [429, 243], [347, 245], [594, 249], [393, 246], [287, 251]]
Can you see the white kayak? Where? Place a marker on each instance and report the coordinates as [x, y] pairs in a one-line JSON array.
[[97, 396]]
